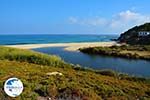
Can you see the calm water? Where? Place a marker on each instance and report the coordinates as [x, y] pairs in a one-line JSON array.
[[132, 67], [37, 39]]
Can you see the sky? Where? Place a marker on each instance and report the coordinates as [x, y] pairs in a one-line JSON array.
[[72, 16]]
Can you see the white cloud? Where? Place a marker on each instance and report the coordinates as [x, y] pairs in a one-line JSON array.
[[96, 21], [73, 20], [117, 23], [128, 19]]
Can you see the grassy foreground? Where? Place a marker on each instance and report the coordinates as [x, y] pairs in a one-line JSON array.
[[75, 84], [125, 51]]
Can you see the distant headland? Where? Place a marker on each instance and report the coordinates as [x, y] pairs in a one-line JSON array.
[[136, 35]]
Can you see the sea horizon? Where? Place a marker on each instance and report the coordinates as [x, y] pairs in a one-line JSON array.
[[14, 39]]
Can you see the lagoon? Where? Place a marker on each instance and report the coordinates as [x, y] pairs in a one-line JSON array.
[[136, 67]]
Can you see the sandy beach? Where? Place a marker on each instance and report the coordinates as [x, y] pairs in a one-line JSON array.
[[68, 46]]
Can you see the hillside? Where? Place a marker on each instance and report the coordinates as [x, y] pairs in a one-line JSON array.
[[75, 83], [132, 37]]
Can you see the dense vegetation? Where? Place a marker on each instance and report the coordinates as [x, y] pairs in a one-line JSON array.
[[125, 51], [30, 56], [75, 83], [131, 36]]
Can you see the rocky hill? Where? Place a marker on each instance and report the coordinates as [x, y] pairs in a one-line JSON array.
[[133, 36]]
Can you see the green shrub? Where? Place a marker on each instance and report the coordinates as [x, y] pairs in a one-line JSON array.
[[107, 73], [30, 57]]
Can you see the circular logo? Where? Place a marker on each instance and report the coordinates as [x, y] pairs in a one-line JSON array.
[[13, 87]]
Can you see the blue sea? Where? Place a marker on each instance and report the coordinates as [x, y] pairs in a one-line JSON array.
[[40, 39]]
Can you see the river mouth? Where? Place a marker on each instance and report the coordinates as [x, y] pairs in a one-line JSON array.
[[140, 68]]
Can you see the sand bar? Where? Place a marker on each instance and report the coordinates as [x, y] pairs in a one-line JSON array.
[[68, 46]]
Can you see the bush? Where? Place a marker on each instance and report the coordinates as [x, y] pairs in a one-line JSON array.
[[30, 57], [107, 73]]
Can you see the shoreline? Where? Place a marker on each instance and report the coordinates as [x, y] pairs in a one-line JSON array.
[[68, 46]]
